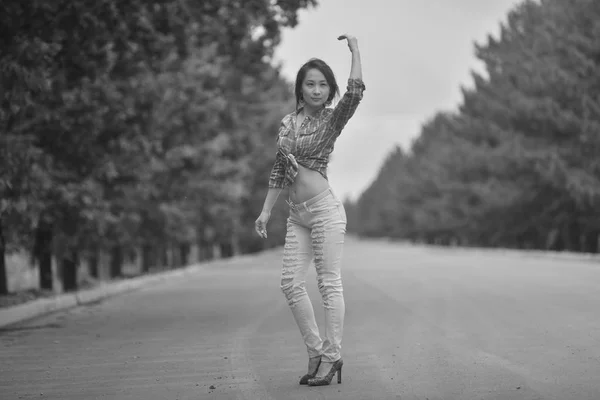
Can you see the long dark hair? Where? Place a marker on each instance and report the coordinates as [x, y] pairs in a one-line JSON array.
[[321, 66]]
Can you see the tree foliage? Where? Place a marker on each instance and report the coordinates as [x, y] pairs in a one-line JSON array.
[[136, 126], [516, 165]]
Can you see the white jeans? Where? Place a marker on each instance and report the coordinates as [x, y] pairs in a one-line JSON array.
[[316, 229]]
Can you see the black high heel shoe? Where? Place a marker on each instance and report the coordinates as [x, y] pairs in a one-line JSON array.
[[305, 378], [326, 380]]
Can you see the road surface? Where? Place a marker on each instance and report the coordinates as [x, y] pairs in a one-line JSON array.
[[420, 324]]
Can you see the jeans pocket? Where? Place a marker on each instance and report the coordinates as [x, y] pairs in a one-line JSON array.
[[322, 206]]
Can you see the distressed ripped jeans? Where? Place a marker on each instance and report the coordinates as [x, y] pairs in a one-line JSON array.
[[315, 230]]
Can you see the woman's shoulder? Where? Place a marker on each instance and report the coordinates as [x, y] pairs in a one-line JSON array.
[[288, 118]]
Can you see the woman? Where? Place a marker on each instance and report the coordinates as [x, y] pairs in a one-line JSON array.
[[317, 222]]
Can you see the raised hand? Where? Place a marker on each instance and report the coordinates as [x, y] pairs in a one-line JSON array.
[[352, 41]]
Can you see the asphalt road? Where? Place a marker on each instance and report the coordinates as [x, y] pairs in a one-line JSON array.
[[420, 324]]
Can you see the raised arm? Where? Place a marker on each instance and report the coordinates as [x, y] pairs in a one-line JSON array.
[[347, 105], [356, 67]]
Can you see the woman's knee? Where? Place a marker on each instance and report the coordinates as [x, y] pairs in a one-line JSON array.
[[293, 290], [329, 283], [292, 287]]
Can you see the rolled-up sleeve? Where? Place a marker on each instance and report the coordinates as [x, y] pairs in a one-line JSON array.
[[345, 108], [277, 177]]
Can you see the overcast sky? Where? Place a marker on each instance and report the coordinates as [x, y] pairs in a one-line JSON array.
[[415, 57]]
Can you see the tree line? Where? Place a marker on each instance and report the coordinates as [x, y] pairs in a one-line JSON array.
[[139, 127], [517, 164]]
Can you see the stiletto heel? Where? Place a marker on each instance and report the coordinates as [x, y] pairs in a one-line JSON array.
[[305, 378], [326, 380]]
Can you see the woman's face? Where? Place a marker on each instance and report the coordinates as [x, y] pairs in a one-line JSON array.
[[315, 89]]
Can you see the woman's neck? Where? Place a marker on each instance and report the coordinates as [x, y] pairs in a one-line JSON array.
[[310, 111]]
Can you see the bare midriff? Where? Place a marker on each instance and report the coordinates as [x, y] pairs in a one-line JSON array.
[[308, 184]]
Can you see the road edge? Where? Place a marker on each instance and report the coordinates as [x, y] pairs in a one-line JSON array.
[[518, 253], [39, 307], [42, 306]]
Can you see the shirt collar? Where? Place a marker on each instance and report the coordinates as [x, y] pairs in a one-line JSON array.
[[309, 117]]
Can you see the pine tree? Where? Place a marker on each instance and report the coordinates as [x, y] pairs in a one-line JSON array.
[[517, 166]]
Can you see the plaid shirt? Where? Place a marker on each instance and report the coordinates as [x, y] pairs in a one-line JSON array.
[[313, 143]]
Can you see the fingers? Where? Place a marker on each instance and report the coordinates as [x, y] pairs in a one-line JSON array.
[[351, 40], [262, 233], [260, 229]]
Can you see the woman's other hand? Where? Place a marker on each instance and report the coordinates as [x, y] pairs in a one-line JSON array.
[[261, 224]]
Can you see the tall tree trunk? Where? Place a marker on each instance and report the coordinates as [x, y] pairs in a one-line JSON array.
[[175, 254], [43, 252], [206, 239], [94, 261], [206, 250], [554, 240], [590, 242], [116, 262], [146, 258], [226, 249], [184, 253], [164, 255], [69, 271], [571, 236], [3, 271]]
